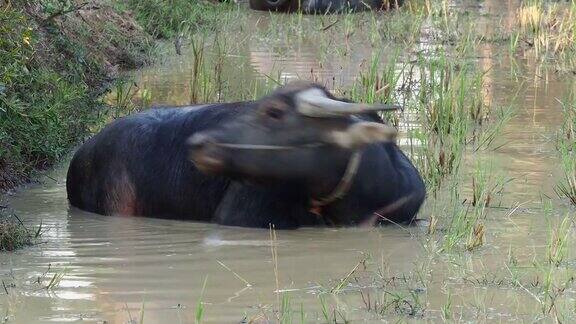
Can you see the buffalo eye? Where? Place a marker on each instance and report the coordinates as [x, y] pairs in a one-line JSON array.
[[275, 113]]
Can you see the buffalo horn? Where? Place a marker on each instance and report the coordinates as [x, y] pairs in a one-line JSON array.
[[314, 103]]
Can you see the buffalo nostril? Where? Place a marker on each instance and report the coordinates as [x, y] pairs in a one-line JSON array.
[[198, 141]]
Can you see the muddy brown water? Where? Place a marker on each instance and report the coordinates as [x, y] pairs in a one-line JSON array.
[[113, 267]]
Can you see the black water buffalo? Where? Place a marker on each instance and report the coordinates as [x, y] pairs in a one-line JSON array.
[[298, 157], [323, 6]]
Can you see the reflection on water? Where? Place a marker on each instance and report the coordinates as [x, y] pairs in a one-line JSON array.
[[116, 268]]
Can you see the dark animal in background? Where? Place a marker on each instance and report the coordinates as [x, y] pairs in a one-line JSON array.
[[298, 157], [323, 6]]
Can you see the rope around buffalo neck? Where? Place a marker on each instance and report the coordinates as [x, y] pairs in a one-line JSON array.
[[345, 182]]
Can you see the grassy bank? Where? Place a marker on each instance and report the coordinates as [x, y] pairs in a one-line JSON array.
[[56, 58]]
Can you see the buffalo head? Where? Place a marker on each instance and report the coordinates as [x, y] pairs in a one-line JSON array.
[[300, 132]]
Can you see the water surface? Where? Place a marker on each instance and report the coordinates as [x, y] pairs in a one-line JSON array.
[[115, 269]]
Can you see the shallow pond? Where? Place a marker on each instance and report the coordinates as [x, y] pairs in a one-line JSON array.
[[122, 269]]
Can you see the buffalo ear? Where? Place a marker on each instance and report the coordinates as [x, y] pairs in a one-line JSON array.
[[361, 134]]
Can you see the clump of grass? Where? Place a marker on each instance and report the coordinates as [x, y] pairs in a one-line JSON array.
[[199, 314], [558, 242], [288, 314], [530, 15], [56, 279], [486, 135], [444, 97], [443, 100], [401, 26], [547, 279], [427, 7], [209, 83], [13, 234], [460, 227], [567, 186], [406, 303], [464, 218], [198, 79], [379, 84], [332, 314], [124, 97], [447, 308], [376, 83], [463, 224], [549, 28], [485, 185], [567, 148]]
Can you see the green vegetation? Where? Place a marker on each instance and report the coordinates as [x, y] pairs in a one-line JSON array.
[[57, 58], [549, 28], [31, 135], [166, 19], [14, 234], [451, 122], [52, 73], [567, 148]]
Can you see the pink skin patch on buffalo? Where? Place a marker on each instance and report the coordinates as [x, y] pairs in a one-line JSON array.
[[121, 196]]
